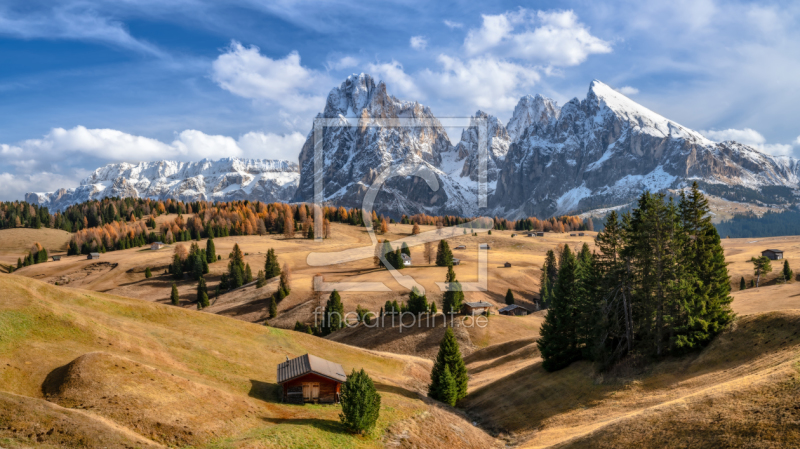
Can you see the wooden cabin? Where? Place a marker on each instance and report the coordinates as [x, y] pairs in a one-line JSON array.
[[406, 259], [507, 264], [513, 309], [475, 308], [93, 256], [573, 235], [155, 246], [581, 234], [460, 247], [773, 254], [485, 246], [540, 234], [456, 261], [309, 378], [56, 258]]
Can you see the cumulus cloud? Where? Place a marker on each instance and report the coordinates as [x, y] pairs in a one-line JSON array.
[[453, 25], [342, 63], [752, 138], [245, 72], [797, 141], [627, 90], [398, 80], [418, 42], [15, 186], [553, 38]]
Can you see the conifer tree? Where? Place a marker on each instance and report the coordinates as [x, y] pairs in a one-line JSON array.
[[286, 280], [202, 293], [449, 356], [752, 283], [444, 257], [248, 274], [177, 267], [509, 297], [788, 274], [761, 265], [334, 313], [558, 342], [147, 273], [447, 388], [398, 260], [174, 297], [236, 268], [271, 266], [454, 296], [405, 249], [262, 280], [211, 252], [273, 307], [742, 284], [361, 403]]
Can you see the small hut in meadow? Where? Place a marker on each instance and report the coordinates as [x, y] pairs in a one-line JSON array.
[[309, 378]]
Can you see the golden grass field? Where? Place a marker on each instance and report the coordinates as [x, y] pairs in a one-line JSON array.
[[739, 392]]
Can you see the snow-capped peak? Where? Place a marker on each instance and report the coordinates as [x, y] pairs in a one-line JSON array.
[[529, 110]]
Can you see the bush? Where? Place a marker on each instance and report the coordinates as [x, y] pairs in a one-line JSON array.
[[361, 403]]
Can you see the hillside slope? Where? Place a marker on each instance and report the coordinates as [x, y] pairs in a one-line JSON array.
[[123, 371]]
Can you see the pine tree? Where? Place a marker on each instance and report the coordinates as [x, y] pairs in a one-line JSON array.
[[202, 293], [444, 257], [447, 388], [788, 274], [262, 280], [271, 266], [398, 260], [361, 403], [454, 296], [211, 252], [334, 313], [248, 274], [176, 300], [147, 273], [509, 297], [405, 249], [273, 308], [742, 284], [558, 342], [752, 283], [761, 265], [177, 267], [449, 356]]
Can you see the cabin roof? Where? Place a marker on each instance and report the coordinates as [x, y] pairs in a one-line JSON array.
[[94, 254], [306, 364], [478, 304], [773, 250], [511, 307]]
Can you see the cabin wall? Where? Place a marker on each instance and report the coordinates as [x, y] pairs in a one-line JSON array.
[[329, 390]]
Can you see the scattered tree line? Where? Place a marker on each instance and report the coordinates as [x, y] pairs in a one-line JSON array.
[[658, 285], [37, 254]]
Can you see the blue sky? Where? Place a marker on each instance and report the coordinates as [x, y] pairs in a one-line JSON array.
[[87, 83]]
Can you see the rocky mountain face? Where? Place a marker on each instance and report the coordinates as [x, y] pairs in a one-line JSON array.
[[605, 150], [222, 180], [588, 154], [383, 132]]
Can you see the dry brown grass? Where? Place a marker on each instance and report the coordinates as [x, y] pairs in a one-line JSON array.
[[15, 243]]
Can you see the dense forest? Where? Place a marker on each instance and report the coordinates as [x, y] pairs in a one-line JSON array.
[[771, 224], [657, 285]]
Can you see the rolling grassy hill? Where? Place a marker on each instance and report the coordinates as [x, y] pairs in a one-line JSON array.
[[80, 368]]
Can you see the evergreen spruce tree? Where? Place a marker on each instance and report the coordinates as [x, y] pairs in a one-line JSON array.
[[398, 260], [236, 268], [361, 403], [449, 356], [558, 342], [262, 280], [174, 297], [271, 266], [454, 296], [211, 252], [202, 293], [147, 273], [177, 267], [752, 283], [448, 393], [509, 297], [742, 284], [273, 307], [248, 274], [444, 257], [405, 249], [334, 313], [788, 274]]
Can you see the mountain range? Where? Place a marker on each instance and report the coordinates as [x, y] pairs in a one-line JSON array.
[[595, 153]]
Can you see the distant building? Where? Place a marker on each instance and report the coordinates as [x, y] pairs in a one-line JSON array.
[[460, 247], [155, 246], [93, 256], [475, 308], [774, 254], [406, 259], [507, 264], [572, 235], [456, 261], [309, 378], [56, 258], [581, 234], [540, 234], [485, 246], [513, 309]]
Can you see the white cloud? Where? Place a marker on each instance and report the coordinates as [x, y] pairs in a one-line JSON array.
[[15, 186], [627, 90], [345, 62], [272, 146], [484, 82], [453, 25], [397, 80], [752, 138], [553, 38], [418, 42], [797, 141], [69, 23], [245, 72]]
